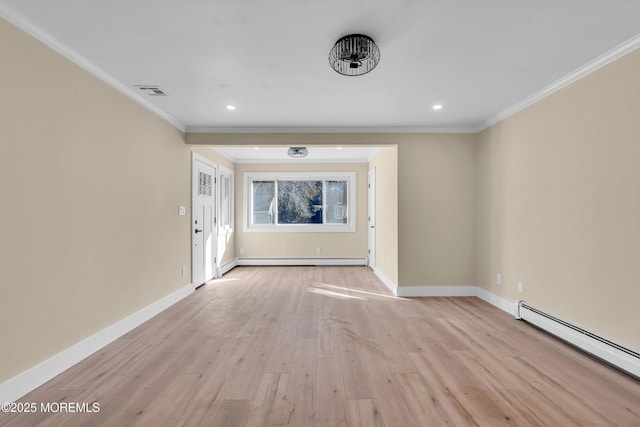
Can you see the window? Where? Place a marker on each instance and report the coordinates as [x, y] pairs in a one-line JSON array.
[[310, 202], [225, 219], [205, 184]]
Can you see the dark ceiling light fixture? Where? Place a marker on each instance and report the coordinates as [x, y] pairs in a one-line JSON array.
[[297, 152], [354, 55]]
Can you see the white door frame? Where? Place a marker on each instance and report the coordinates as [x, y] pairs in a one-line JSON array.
[[371, 223], [210, 243]]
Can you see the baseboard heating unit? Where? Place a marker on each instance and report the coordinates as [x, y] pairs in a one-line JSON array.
[[613, 353]]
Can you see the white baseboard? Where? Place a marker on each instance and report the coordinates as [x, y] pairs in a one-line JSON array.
[[227, 266], [437, 291], [496, 301], [301, 261], [448, 291], [25, 382], [393, 287]]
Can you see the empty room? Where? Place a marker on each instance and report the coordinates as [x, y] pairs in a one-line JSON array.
[[220, 213]]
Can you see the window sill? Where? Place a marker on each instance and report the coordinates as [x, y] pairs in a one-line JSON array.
[[303, 228]]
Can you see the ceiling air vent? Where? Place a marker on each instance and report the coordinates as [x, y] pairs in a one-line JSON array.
[[151, 90]]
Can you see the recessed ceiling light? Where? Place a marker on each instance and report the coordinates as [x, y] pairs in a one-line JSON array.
[[256, 148], [437, 107], [231, 107], [338, 148]]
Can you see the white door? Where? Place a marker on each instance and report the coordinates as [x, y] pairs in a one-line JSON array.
[[203, 219], [372, 218]]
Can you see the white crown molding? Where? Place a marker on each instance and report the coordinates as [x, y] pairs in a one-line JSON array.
[[330, 129], [59, 47], [594, 65]]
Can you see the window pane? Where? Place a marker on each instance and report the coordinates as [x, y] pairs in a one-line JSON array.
[[263, 200], [225, 202], [205, 185], [336, 202], [299, 202]]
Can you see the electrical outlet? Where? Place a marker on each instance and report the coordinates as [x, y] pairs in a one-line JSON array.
[[184, 271], [520, 286], [241, 251], [317, 251], [499, 279]]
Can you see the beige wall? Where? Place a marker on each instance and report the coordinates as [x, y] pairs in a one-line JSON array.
[[214, 156], [385, 164], [226, 250], [436, 219], [90, 184], [558, 190], [303, 245]]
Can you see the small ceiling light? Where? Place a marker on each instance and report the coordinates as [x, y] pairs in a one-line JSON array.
[[338, 148], [437, 107], [231, 107], [354, 55], [256, 148], [297, 152]]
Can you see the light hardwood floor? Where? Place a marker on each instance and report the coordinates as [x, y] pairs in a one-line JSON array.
[[329, 346]]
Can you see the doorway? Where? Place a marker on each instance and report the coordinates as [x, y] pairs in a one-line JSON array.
[[203, 220], [371, 224]]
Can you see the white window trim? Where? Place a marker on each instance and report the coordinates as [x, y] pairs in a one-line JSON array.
[[224, 229], [349, 227]]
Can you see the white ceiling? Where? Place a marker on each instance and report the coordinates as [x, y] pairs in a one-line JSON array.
[[480, 59]]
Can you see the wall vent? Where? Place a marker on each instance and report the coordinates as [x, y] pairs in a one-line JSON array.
[[151, 90]]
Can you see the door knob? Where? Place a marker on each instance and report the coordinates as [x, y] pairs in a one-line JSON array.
[[198, 231]]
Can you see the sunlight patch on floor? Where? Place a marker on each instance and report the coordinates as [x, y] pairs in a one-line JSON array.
[[374, 295], [333, 294]]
